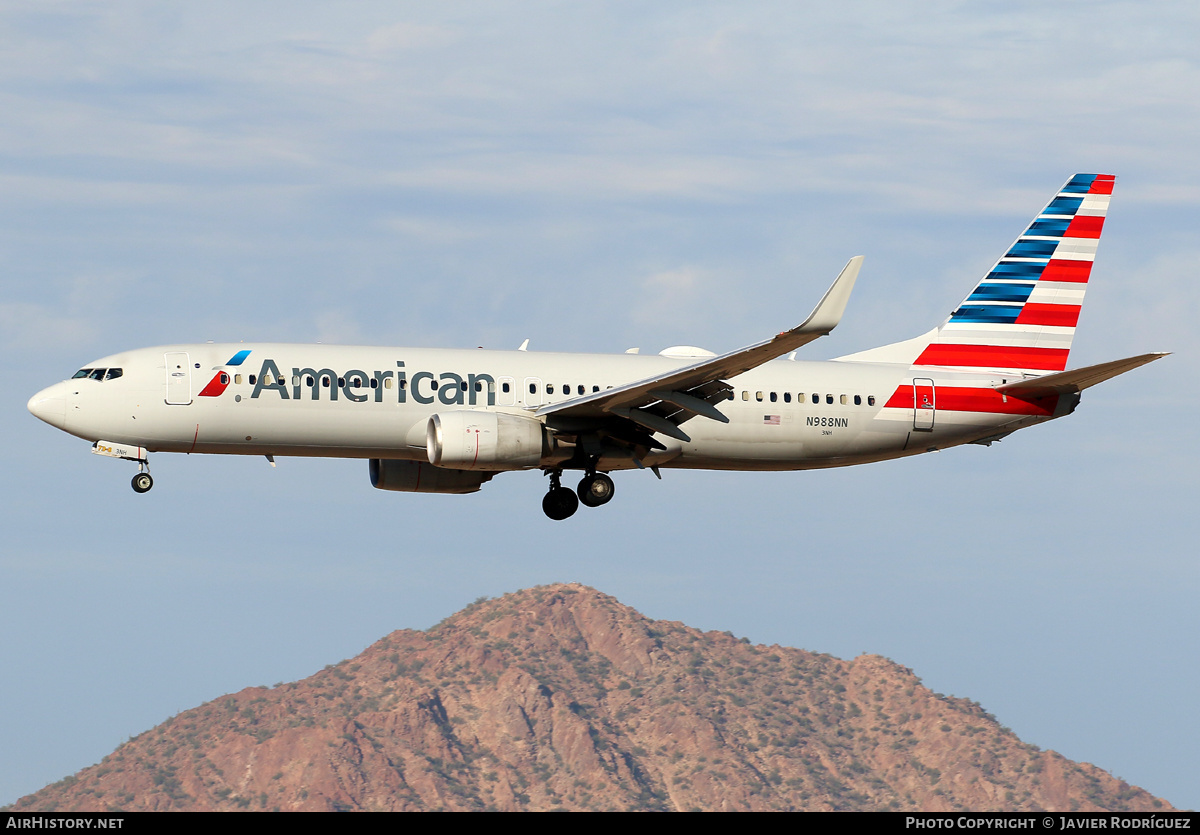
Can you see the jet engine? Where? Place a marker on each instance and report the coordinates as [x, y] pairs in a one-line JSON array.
[[477, 440], [419, 477]]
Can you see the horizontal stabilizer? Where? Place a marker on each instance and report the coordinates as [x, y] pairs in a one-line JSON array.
[[1070, 382]]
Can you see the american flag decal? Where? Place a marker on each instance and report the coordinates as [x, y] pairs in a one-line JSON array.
[[771, 420]]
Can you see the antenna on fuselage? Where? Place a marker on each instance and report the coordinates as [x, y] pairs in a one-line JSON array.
[[524, 346]]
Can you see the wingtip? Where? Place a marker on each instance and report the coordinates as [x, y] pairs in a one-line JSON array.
[[828, 312]]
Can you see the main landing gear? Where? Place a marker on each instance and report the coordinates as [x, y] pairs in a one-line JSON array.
[[561, 502]]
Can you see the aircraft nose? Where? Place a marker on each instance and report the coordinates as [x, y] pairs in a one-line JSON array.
[[49, 405]]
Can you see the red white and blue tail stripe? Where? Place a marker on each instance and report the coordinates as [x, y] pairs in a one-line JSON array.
[[1022, 315]]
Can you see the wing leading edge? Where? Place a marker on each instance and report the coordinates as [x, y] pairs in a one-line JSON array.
[[661, 403]]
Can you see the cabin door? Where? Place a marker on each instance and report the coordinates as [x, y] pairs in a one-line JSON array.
[[179, 378], [924, 404]]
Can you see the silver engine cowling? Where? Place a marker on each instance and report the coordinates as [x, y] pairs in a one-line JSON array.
[[478, 440]]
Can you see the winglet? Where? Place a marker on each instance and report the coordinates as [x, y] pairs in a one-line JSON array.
[[664, 386], [829, 310]]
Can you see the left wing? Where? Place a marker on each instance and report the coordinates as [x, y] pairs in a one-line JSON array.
[[661, 403]]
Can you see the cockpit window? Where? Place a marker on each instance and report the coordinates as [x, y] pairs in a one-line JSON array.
[[98, 373]]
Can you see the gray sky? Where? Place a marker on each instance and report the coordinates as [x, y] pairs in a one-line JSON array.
[[594, 177]]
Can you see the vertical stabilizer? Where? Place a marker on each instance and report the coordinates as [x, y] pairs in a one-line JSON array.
[[1021, 316]]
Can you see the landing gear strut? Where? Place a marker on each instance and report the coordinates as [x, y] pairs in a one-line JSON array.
[[561, 502]]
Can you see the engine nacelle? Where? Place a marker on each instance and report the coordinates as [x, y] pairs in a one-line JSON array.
[[477, 440], [419, 477]]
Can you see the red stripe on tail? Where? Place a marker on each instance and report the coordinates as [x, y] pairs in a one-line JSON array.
[[1062, 270], [994, 356], [1058, 315], [1084, 226]]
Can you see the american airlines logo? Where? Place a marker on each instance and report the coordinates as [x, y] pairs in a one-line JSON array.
[[357, 386], [220, 381]]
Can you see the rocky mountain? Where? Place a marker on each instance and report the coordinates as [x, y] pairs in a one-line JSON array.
[[559, 697]]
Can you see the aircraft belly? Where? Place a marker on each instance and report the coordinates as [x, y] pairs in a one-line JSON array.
[[322, 429]]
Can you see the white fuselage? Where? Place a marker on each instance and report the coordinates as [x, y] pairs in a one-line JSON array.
[[363, 402]]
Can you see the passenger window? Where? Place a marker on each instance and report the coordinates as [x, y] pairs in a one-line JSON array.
[[758, 396], [464, 386], [550, 389], [433, 384], [857, 400], [403, 384], [253, 378], [237, 378], [816, 398], [871, 400], [842, 400], [745, 395], [774, 397], [309, 381], [325, 382], [387, 382], [595, 388], [374, 383], [829, 399], [787, 397], [505, 387], [533, 388], [114, 373], [224, 378]]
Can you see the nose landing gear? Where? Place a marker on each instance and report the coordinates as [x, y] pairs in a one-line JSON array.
[[142, 482]]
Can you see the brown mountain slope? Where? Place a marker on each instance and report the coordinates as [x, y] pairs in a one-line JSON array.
[[561, 698]]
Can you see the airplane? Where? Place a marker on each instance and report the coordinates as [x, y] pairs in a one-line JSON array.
[[449, 421]]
